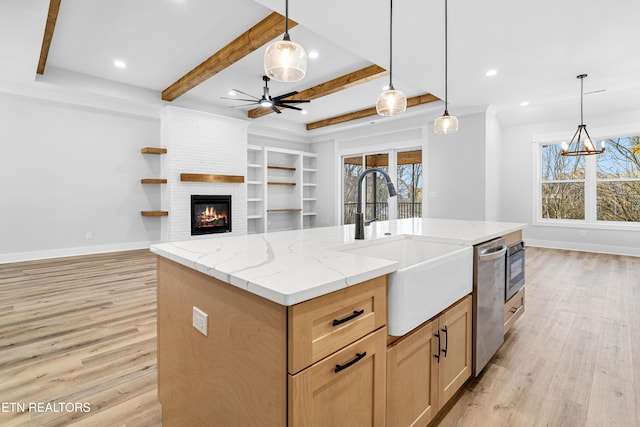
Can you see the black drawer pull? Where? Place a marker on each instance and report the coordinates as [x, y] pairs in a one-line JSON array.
[[351, 362], [437, 355], [355, 314], [446, 341]]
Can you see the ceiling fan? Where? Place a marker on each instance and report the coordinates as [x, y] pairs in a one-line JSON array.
[[268, 101]]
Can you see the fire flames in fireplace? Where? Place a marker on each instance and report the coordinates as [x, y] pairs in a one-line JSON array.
[[209, 217], [210, 214]]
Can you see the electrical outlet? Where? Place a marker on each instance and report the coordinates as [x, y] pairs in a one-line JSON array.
[[200, 321], [583, 233], [89, 235]]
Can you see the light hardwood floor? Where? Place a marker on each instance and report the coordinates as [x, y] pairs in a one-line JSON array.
[[79, 330], [573, 358], [83, 329]]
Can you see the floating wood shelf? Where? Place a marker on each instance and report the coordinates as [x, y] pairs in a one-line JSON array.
[[154, 213], [284, 210], [153, 181], [201, 177], [280, 183], [283, 168], [153, 150]]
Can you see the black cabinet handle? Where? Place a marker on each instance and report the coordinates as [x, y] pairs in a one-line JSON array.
[[437, 355], [355, 314], [351, 362], [446, 341]]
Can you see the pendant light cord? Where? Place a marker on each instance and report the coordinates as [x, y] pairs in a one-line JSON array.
[[390, 44], [446, 71], [286, 20], [581, 96]]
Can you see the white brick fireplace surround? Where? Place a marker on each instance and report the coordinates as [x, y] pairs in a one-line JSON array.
[[201, 143]]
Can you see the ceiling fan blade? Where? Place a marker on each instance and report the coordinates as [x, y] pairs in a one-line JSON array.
[[244, 105], [245, 93], [286, 95], [294, 101], [274, 108], [240, 99], [290, 106]]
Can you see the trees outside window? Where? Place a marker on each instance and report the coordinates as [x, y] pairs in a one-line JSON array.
[[591, 189]]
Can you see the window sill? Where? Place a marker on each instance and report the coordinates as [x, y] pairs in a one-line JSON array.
[[603, 225]]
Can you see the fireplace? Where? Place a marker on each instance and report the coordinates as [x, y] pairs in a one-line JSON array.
[[210, 214]]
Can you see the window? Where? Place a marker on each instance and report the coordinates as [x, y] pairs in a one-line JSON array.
[[407, 168], [602, 189], [409, 185], [618, 180]]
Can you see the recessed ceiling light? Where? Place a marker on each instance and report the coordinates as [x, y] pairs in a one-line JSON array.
[[524, 103], [313, 54], [491, 73], [232, 93], [119, 63], [304, 112]]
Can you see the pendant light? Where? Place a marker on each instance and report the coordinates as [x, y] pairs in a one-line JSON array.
[[576, 147], [285, 61], [391, 101], [445, 123]]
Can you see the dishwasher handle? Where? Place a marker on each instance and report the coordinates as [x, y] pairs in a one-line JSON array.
[[492, 253]]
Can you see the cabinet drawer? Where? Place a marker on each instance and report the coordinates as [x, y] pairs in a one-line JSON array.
[[513, 309], [323, 325], [347, 389]]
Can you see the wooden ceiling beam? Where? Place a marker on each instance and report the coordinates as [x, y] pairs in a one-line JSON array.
[[52, 17], [411, 102], [347, 81], [257, 36]]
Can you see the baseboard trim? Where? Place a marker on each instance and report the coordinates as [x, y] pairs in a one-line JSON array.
[[68, 252], [584, 247]]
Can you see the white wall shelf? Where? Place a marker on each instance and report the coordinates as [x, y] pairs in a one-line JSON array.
[[277, 180]]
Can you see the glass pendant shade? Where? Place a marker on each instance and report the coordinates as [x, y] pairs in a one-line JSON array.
[[445, 124], [391, 102], [285, 61]]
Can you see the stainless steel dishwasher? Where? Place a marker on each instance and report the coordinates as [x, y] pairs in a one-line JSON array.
[[488, 300]]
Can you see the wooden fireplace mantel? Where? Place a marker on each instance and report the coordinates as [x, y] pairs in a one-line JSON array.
[[200, 177]]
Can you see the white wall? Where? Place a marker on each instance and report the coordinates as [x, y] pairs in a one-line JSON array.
[[201, 143], [456, 171], [328, 179], [66, 172], [517, 191]]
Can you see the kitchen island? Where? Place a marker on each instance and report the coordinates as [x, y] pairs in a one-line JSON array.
[[296, 327]]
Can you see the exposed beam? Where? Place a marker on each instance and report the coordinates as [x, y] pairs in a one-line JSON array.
[[252, 39], [411, 102], [52, 17], [355, 78]]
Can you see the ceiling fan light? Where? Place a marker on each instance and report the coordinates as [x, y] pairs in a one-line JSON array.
[[266, 103], [445, 124], [391, 102], [285, 61]]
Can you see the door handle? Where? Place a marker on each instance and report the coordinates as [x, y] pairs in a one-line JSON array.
[[446, 341], [355, 314], [437, 355], [356, 359]]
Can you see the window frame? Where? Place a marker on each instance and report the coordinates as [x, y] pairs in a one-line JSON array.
[[393, 169], [591, 180]]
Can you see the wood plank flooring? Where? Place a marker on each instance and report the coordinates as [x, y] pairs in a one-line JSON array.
[[79, 331], [573, 358], [83, 330]]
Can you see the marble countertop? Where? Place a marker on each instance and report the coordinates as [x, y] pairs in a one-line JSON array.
[[289, 267]]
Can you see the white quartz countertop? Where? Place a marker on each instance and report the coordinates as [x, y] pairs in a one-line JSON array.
[[289, 267]]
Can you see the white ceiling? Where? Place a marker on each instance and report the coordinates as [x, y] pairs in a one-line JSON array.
[[537, 47]]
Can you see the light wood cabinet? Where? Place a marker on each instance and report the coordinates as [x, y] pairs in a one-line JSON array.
[[428, 366], [411, 373], [345, 389], [513, 309], [454, 365], [323, 325], [318, 363]]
